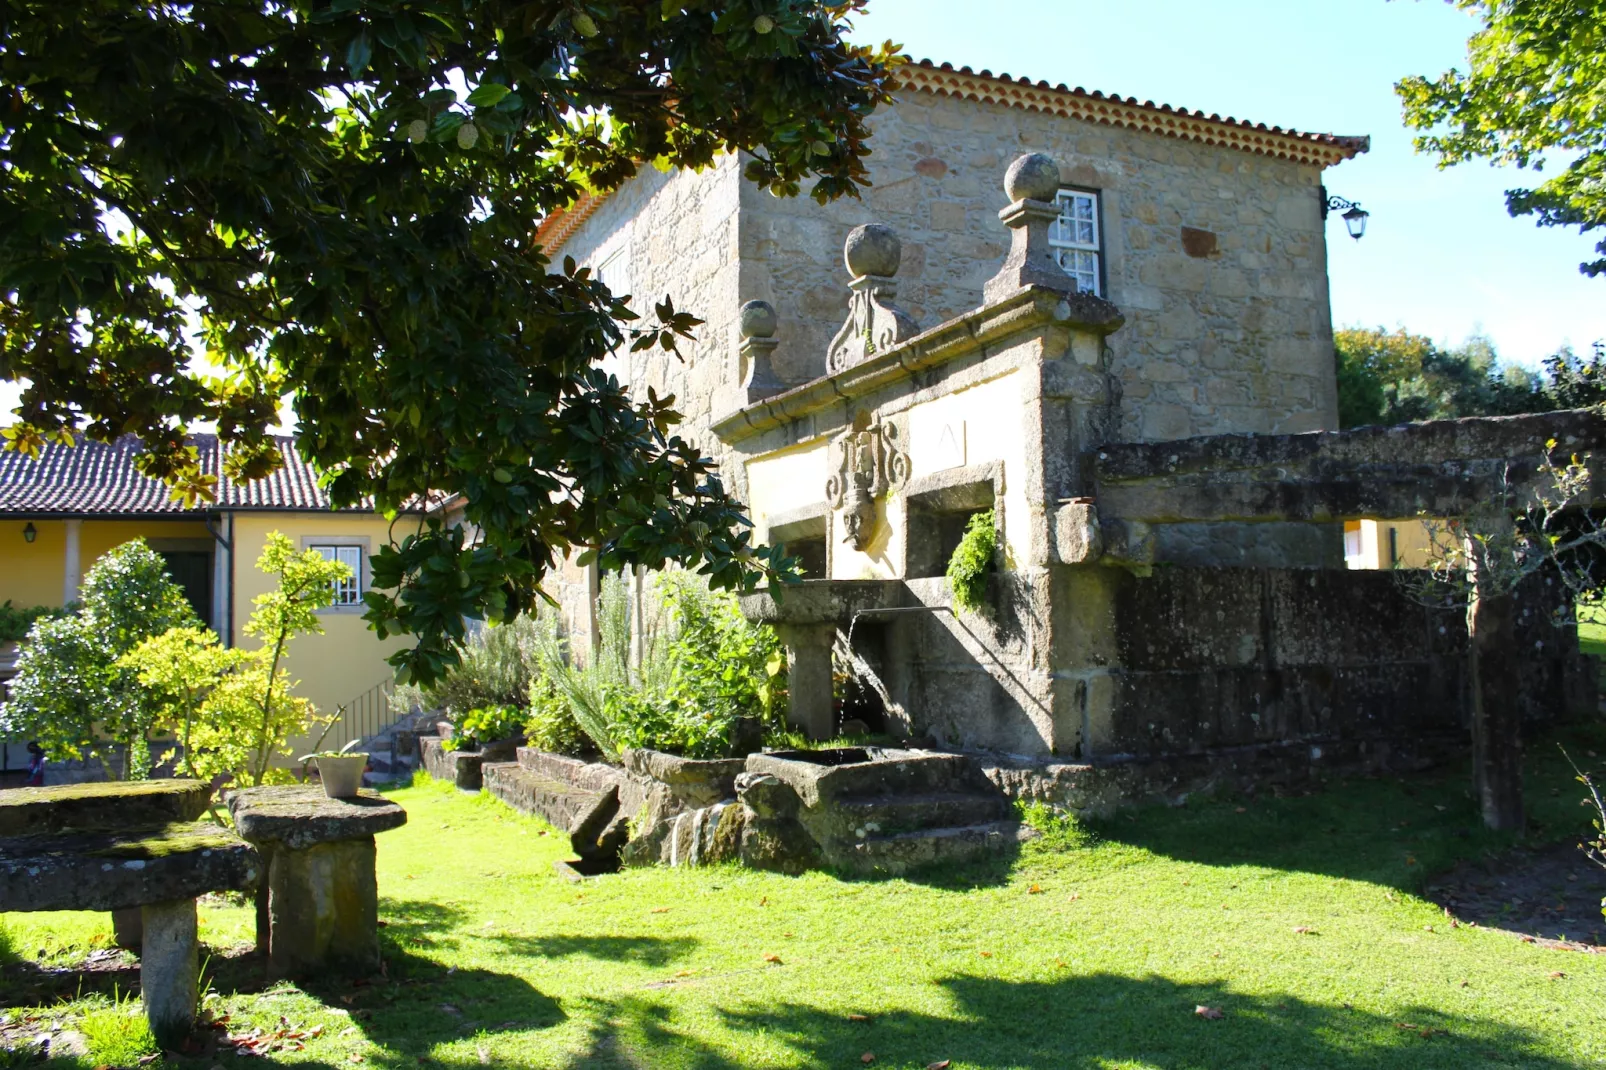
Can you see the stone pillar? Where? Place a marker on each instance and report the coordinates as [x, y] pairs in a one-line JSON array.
[[168, 969], [128, 928], [808, 654], [72, 566], [1031, 183], [323, 904], [758, 378]]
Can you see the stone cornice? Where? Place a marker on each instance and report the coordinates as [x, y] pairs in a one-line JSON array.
[[1322, 150], [945, 342]]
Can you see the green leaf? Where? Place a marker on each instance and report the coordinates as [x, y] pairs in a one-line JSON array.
[[359, 53], [488, 94]]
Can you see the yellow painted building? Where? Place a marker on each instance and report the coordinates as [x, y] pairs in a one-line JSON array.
[[1388, 544], [59, 513]]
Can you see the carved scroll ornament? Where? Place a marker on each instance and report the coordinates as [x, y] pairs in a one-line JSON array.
[[869, 464]]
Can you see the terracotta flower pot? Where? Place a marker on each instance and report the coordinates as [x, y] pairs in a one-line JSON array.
[[342, 774]]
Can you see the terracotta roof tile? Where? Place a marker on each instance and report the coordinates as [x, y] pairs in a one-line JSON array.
[[98, 478]]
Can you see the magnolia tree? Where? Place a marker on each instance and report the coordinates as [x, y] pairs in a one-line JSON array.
[[1540, 527], [233, 711], [337, 198], [73, 691]]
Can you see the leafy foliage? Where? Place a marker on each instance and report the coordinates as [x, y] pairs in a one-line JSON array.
[[15, 621], [1390, 377], [972, 560], [1535, 84], [495, 667], [702, 670], [72, 692], [486, 724], [551, 725], [307, 188], [1596, 847]]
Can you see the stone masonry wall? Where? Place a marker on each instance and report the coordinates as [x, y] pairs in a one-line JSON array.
[[1237, 340]]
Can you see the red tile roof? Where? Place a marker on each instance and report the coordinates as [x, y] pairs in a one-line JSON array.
[[99, 479]]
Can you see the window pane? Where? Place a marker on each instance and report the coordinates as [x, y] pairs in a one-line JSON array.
[[348, 592]]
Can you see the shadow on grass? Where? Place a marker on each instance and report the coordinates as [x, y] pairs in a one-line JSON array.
[[642, 950], [418, 923], [1395, 830], [1094, 1022]]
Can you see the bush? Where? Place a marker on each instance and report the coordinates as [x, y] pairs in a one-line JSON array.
[[551, 725], [498, 664], [972, 560], [702, 669], [486, 724], [15, 621], [72, 692]]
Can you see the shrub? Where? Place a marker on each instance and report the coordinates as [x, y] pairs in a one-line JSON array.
[[497, 664], [15, 621], [486, 724], [972, 560], [551, 725], [72, 692], [702, 668], [234, 711]]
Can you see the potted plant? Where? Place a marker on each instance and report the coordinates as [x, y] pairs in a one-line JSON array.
[[340, 771]]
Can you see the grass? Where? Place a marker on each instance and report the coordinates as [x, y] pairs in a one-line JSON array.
[[1092, 950]]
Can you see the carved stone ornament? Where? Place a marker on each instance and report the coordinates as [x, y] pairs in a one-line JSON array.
[[872, 253], [869, 464]]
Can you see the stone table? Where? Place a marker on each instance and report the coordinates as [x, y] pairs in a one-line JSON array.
[[157, 870], [114, 805], [318, 909]]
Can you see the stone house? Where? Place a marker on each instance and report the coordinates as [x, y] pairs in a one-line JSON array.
[[1123, 351]]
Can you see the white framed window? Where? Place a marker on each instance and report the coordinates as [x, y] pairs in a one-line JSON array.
[[348, 592], [1076, 240]]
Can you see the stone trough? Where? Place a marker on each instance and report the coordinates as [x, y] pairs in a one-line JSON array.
[[864, 811]]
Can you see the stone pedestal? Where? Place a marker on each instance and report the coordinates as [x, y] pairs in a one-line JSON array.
[[320, 908], [168, 969], [808, 654]]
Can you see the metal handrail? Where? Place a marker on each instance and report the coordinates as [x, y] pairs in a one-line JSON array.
[[366, 715]]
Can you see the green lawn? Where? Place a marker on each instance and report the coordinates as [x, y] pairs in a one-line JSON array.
[[1090, 951]]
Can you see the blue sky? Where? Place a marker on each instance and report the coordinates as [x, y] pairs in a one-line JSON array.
[[1440, 256]]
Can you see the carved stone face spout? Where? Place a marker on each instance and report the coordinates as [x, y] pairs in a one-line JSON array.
[[858, 518], [868, 465]]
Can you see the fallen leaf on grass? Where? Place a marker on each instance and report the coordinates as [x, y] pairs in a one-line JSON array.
[[354, 1058], [773, 958], [347, 1000], [1036, 889], [858, 1018], [1241, 810], [1207, 1012], [939, 1066], [867, 1058], [684, 973], [1305, 930], [1420, 1030], [764, 902], [986, 954], [1074, 896], [1558, 975], [660, 910]]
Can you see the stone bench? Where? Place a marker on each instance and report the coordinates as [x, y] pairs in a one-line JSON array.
[[318, 906], [159, 870]]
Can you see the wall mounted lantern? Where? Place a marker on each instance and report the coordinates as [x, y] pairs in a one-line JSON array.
[[1354, 215], [29, 532]]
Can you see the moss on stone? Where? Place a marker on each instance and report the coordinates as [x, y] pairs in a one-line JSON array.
[[114, 789], [175, 839]]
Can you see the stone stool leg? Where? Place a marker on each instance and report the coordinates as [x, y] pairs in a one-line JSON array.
[[168, 969], [126, 928], [324, 907], [264, 916]]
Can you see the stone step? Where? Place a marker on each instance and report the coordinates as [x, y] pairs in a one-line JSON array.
[[954, 845], [558, 802], [862, 772], [889, 814]]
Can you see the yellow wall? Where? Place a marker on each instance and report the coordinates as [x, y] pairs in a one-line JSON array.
[[970, 427], [1412, 542], [348, 659], [32, 574]]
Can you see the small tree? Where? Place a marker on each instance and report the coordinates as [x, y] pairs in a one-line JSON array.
[[234, 711], [72, 692], [1478, 562]]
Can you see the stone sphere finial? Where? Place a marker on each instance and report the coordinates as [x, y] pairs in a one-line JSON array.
[[758, 320], [1032, 177], [872, 249]]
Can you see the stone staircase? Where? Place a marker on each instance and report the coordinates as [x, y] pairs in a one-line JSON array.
[[393, 751], [874, 811]]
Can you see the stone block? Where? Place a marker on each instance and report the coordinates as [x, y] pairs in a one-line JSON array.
[[105, 870], [300, 816], [323, 905], [114, 805]]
